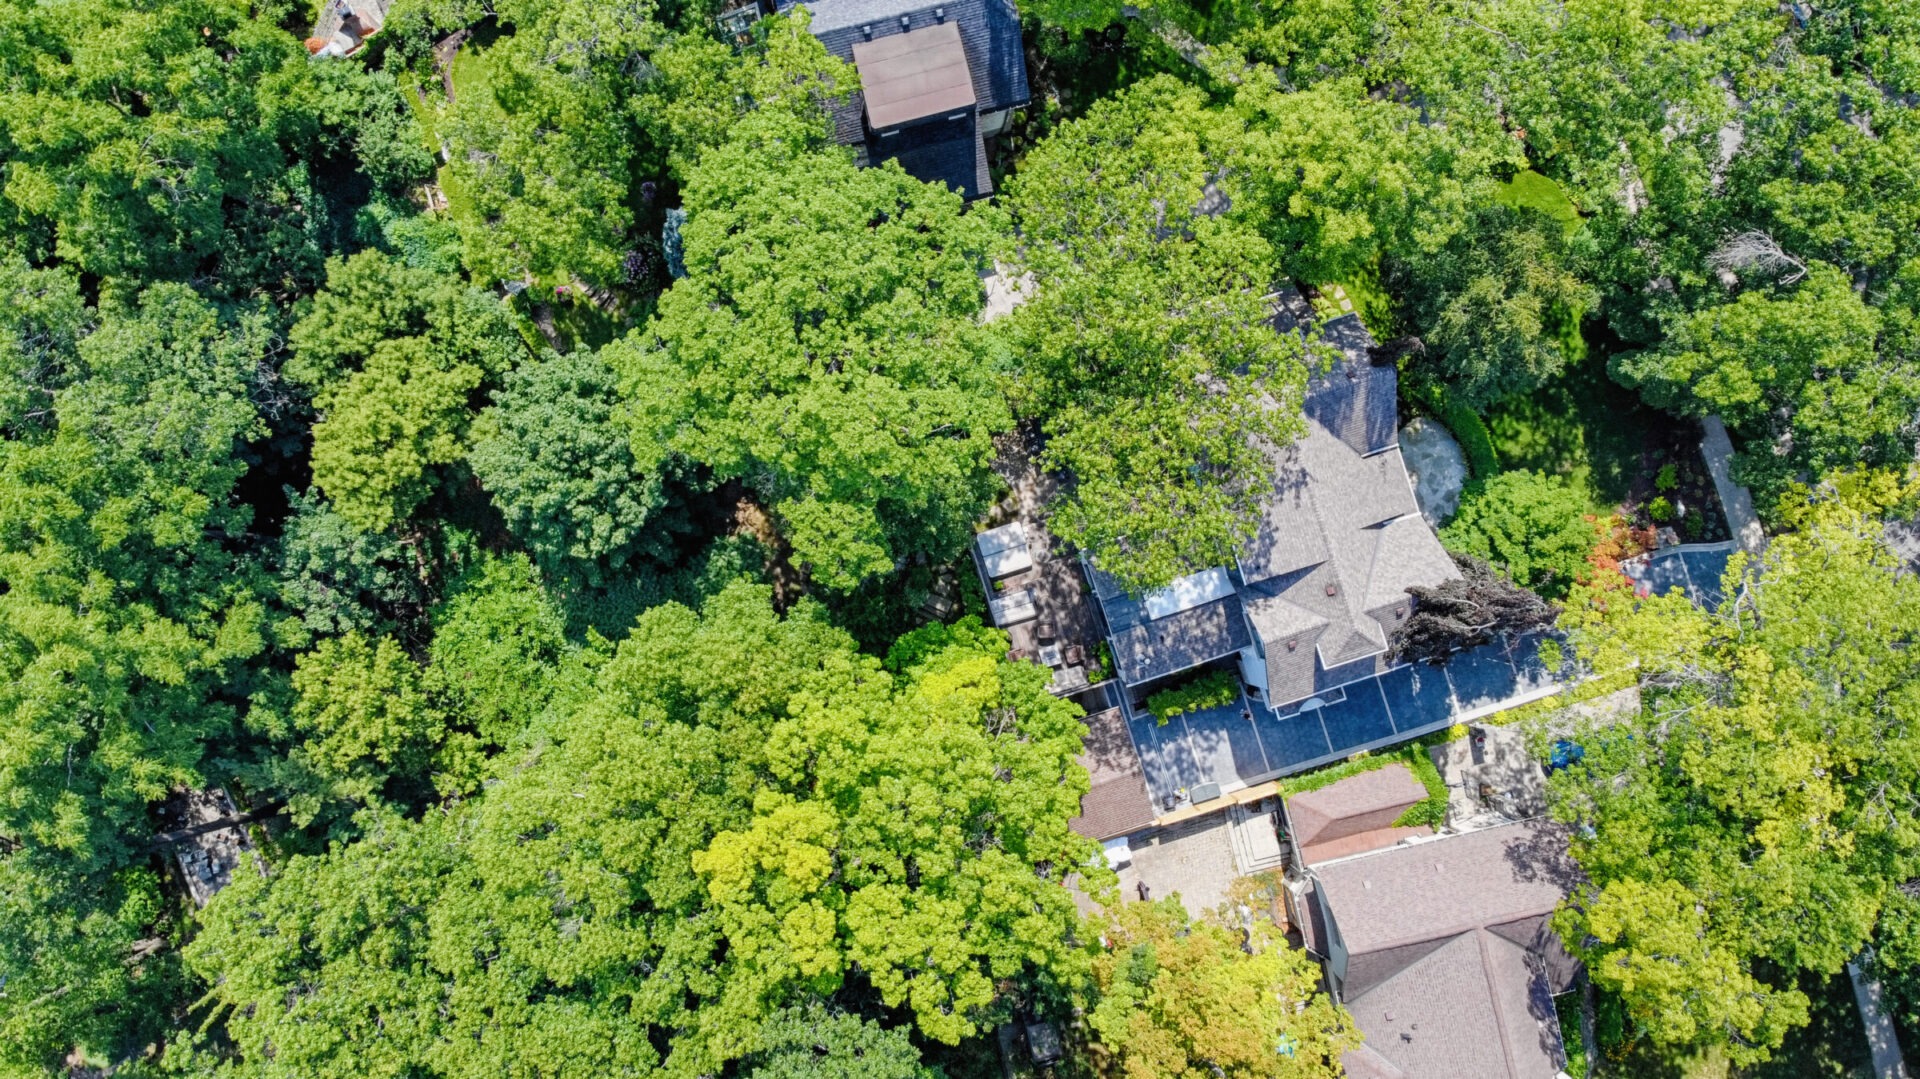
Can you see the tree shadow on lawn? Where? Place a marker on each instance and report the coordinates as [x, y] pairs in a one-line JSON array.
[[1589, 428]]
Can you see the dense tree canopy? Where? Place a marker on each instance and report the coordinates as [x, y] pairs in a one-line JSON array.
[[1144, 345], [361, 454], [743, 815], [391, 354], [1191, 998], [1749, 824], [824, 349]]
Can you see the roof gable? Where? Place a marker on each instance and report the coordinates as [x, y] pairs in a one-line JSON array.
[[1445, 887], [1356, 399], [1357, 803]]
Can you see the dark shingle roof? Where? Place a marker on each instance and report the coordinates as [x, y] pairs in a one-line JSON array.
[[1163, 646], [1448, 886], [1118, 803], [947, 152], [1335, 549], [1356, 399], [1476, 1006], [989, 35]]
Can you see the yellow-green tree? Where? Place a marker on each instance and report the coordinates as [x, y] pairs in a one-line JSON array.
[[1179, 998], [1750, 823]]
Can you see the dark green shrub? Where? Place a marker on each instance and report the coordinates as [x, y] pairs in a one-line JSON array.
[[1211, 690]]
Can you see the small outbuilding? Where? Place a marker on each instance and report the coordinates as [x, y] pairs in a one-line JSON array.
[[1354, 815]]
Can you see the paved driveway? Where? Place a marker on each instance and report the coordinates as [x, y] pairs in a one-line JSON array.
[[1246, 742]]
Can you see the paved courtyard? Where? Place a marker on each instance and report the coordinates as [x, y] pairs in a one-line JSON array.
[[1695, 569], [1193, 858], [1225, 746]]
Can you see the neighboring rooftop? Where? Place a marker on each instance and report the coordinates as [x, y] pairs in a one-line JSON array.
[[345, 25], [1355, 814], [1450, 962], [1117, 804], [932, 76], [914, 75], [209, 840]]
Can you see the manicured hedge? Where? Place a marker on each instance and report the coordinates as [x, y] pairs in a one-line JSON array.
[[1212, 690], [1474, 438]]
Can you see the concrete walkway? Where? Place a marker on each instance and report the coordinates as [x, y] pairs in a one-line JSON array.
[[1735, 500], [1888, 1063]]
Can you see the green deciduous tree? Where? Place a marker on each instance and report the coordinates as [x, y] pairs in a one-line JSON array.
[[815, 1043], [42, 317], [1178, 998], [1748, 825], [498, 643], [361, 716], [126, 623], [337, 578], [74, 973], [1538, 529], [559, 465], [823, 349], [704, 87], [1144, 351], [1495, 305], [542, 144], [1335, 178], [739, 815], [392, 354], [125, 608], [183, 141], [1794, 372]]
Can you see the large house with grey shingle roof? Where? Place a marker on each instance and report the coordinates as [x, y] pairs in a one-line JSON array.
[[1313, 597], [937, 80]]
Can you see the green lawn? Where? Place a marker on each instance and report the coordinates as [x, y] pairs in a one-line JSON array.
[[1582, 425], [1530, 190], [1363, 295]]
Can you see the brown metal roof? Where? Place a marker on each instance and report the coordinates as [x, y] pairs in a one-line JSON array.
[[914, 75]]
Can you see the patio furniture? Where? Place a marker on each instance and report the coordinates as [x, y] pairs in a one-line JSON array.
[[1050, 655], [1046, 629], [1076, 655], [1012, 607], [1068, 679]]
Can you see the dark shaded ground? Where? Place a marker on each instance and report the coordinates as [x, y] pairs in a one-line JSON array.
[[1833, 1045], [1598, 433]]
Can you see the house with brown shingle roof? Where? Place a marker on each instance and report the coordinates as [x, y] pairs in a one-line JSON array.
[[1355, 815], [1443, 952], [1118, 804]]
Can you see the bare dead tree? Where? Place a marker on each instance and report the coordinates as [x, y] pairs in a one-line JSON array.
[[1756, 250]]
